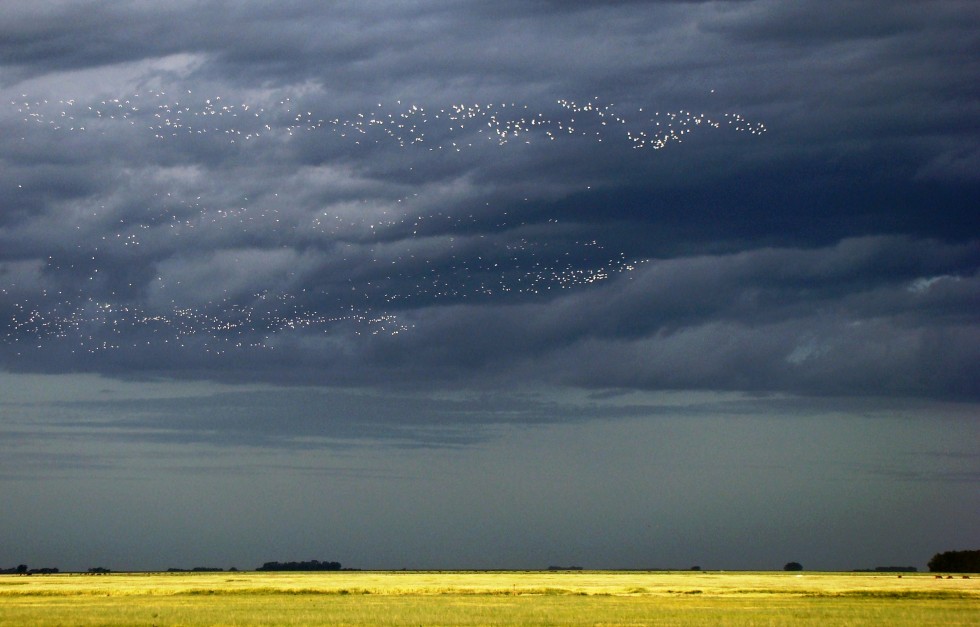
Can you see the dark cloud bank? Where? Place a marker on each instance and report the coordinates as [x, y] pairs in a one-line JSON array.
[[411, 223]]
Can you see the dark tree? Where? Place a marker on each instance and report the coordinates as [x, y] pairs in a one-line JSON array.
[[292, 566], [22, 569], [955, 562], [793, 566]]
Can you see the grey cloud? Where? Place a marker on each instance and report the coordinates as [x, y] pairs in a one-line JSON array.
[[767, 320], [354, 47], [311, 418], [810, 356], [772, 319], [185, 239], [804, 23], [315, 418]]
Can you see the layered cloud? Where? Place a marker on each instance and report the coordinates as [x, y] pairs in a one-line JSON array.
[[730, 195]]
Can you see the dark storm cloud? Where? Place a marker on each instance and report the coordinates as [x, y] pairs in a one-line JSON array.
[[51, 37], [806, 23], [228, 213], [861, 316]]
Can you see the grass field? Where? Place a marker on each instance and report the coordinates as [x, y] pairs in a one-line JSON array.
[[489, 598]]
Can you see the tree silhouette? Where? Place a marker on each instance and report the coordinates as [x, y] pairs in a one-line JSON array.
[[310, 565], [955, 562], [793, 566]]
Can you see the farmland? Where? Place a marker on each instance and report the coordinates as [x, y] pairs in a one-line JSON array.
[[481, 598]]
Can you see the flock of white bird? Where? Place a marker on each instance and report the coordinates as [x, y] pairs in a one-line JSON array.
[[106, 291], [452, 127]]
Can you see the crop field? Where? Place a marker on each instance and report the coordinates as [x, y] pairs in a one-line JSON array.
[[490, 598]]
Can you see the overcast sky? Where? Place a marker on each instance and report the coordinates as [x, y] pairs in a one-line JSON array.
[[460, 284]]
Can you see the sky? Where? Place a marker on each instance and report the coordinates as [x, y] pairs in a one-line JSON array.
[[458, 284]]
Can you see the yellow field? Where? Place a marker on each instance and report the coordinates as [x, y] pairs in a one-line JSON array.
[[485, 598]]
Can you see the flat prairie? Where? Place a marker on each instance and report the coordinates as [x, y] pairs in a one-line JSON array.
[[490, 598]]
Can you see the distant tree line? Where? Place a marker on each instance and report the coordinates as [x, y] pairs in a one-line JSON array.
[[22, 569], [310, 565], [955, 562], [197, 569]]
